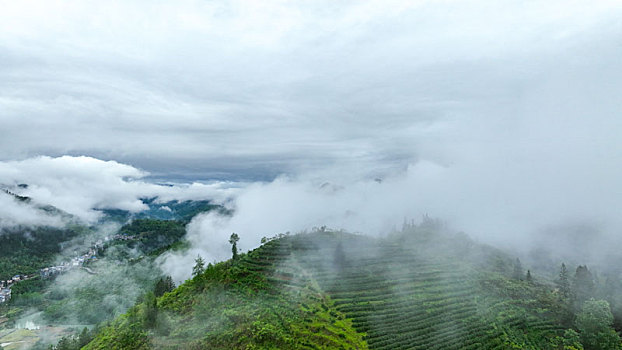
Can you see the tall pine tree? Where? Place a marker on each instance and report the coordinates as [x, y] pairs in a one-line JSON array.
[[563, 283], [234, 244], [199, 266]]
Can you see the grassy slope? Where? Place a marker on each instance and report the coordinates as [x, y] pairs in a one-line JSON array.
[[417, 290]]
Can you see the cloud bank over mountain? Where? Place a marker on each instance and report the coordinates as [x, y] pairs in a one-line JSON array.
[[15, 213], [81, 185], [502, 118], [546, 204]]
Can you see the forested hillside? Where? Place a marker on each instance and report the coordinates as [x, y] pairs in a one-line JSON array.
[[90, 291], [25, 250], [416, 289], [182, 211]]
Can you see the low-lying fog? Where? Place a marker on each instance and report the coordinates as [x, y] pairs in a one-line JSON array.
[[508, 203]]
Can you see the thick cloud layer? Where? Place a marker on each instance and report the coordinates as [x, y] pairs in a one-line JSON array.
[[15, 213], [500, 117], [527, 201], [245, 89], [79, 185]]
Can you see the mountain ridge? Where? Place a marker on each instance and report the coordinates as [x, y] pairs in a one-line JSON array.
[[332, 290]]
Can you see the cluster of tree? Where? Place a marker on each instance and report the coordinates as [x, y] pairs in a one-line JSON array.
[[150, 314], [519, 274], [172, 210], [583, 308], [93, 299], [594, 323], [75, 342], [573, 290], [153, 235], [186, 210], [163, 285], [591, 317], [150, 318], [199, 266], [576, 290], [25, 250]]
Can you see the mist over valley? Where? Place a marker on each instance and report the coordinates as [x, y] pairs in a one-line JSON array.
[[310, 175]]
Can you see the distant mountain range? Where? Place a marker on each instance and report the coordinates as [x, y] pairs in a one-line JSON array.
[[172, 210]]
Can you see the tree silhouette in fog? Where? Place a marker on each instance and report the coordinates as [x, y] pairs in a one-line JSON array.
[[234, 244]]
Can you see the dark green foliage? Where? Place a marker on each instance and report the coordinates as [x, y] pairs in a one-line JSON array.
[[569, 341], [564, 293], [152, 235], [24, 250], [75, 342], [33, 285], [150, 312], [125, 333], [594, 324], [164, 285], [172, 210]]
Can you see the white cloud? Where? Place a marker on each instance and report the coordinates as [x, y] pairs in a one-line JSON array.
[[78, 185], [15, 213], [268, 87], [509, 195], [501, 117]]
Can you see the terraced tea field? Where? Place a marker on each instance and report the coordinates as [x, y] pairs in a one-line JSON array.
[[415, 296], [326, 290]]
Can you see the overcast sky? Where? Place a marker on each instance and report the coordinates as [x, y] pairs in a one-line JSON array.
[[503, 117], [253, 89]]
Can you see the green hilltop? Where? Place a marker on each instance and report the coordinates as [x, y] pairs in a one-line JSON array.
[[417, 289]]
